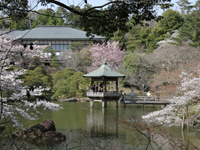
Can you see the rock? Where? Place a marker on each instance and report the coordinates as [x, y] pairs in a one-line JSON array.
[[73, 100], [53, 136], [68, 100], [44, 131], [18, 134], [44, 126], [83, 100]]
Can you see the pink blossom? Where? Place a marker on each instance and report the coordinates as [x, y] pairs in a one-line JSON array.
[[109, 52]]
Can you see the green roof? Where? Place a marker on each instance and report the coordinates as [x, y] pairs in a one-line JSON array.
[[53, 33], [104, 71]]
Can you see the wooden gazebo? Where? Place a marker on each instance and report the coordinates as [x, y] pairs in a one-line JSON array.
[[104, 74]]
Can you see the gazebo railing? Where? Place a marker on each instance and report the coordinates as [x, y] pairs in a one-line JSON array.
[[103, 94]]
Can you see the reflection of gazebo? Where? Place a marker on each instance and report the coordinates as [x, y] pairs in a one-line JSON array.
[[104, 74]]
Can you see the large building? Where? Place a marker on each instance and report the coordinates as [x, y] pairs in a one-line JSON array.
[[59, 37]]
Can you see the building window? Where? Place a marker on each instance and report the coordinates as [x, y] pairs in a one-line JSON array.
[[60, 47]]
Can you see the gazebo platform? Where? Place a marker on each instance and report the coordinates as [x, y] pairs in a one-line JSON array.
[[104, 97], [103, 94]]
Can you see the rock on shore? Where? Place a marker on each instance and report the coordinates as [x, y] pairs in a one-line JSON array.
[[42, 132], [73, 100]]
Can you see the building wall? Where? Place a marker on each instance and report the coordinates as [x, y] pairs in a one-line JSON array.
[[58, 45]]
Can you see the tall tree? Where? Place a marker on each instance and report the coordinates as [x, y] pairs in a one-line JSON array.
[[47, 18], [190, 29], [102, 19], [109, 52], [76, 20], [14, 9], [139, 70], [138, 39], [171, 20], [185, 6], [119, 36], [157, 34]]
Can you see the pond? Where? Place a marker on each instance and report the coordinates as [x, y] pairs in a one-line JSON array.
[[103, 128]]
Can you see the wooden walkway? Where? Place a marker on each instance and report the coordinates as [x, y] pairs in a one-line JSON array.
[[144, 100]]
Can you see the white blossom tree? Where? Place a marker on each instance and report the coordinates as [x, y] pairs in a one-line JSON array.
[[184, 108], [12, 100]]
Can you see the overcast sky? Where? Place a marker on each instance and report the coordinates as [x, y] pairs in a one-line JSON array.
[[101, 2]]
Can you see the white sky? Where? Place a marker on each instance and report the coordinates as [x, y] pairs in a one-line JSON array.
[[101, 2]]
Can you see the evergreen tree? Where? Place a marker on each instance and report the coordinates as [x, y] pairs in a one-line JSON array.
[[157, 34], [49, 17], [190, 29], [69, 84], [171, 20], [119, 36], [54, 62], [138, 39], [75, 20], [185, 6], [23, 25], [37, 78]]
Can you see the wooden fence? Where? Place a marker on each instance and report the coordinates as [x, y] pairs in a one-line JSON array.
[[140, 99]]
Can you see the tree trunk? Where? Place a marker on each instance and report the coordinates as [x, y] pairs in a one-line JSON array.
[[187, 134], [1, 103], [183, 120]]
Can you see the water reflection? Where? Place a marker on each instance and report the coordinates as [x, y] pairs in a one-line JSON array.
[[99, 123]]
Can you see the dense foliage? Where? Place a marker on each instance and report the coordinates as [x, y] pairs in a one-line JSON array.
[[37, 78], [48, 18], [190, 29], [171, 20], [69, 83]]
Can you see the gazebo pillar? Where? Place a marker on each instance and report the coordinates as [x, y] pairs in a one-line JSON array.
[[91, 103], [105, 86], [104, 103], [116, 101], [117, 86]]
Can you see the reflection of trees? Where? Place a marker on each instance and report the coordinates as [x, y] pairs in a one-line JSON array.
[[100, 124], [102, 131]]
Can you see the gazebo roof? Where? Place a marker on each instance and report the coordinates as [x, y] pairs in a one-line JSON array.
[[104, 71]]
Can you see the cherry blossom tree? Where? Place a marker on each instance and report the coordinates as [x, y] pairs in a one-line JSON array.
[[186, 102], [12, 100], [109, 52]]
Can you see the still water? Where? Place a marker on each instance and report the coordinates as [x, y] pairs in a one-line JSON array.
[[98, 128]]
